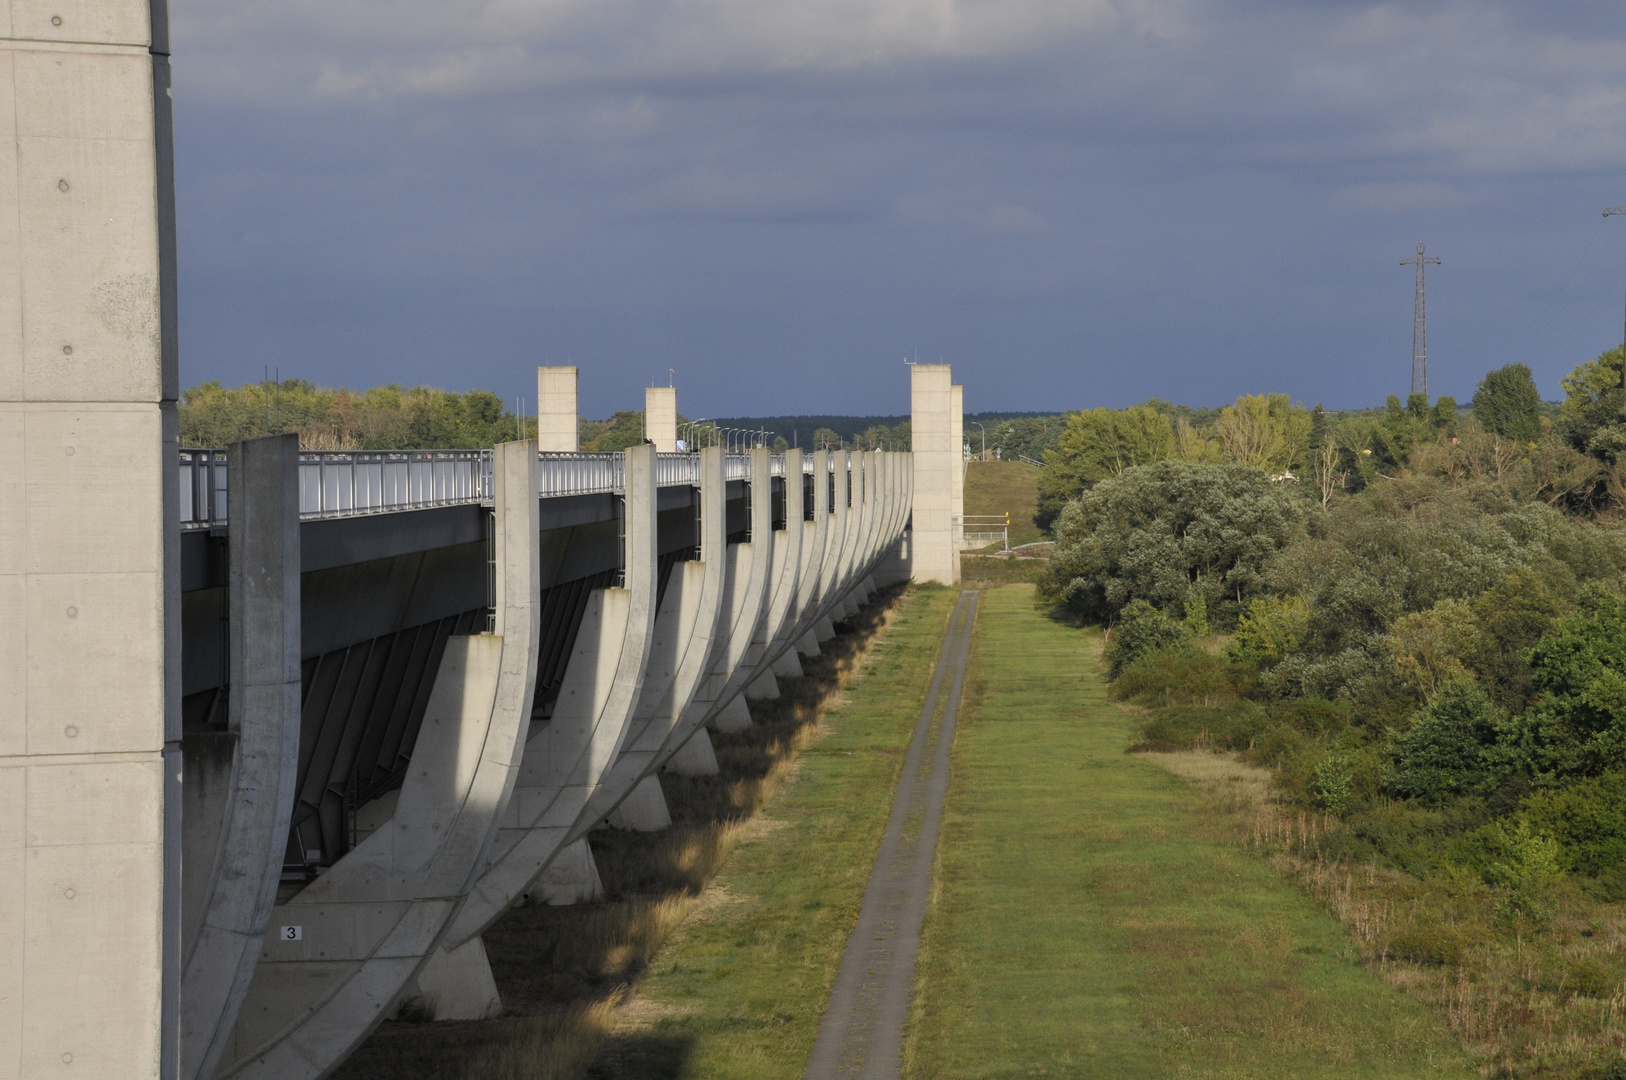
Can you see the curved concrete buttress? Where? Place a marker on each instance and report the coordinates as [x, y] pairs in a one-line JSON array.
[[341, 951], [566, 757], [787, 574], [248, 810], [718, 700], [829, 574], [843, 607], [846, 522], [664, 724], [815, 535]]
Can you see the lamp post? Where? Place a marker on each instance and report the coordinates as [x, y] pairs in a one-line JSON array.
[[984, 440]]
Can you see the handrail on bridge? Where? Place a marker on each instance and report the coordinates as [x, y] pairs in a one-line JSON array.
[[355, 483]]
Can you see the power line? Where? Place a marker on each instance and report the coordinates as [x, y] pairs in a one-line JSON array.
[[1419, 326]]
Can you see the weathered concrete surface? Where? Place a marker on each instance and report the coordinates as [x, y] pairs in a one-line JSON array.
[[935, 445], [660, 418], [570, 878], [567, 756], [234, 844], [643, 809], [368, 925], [695, 757], [680, 655], [90, 765], [557, 424]]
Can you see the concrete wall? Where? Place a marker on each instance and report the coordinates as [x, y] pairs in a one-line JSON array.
[[89, 676], [938, 473], [660, 418], [556, 410]]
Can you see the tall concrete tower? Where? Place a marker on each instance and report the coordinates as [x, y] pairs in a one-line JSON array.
[[557, 415], [89, 546], [939, 473], [660, 418]]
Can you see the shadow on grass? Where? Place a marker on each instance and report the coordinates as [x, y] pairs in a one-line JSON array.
[[564, 972]]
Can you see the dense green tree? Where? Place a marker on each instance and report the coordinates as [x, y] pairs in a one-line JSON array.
[[1508, 404], [1449, 749], [1096, 444], [1577, 726], [1266, 431], [1592, 418], [1588, 819], [1159, 532], [1141, 629]]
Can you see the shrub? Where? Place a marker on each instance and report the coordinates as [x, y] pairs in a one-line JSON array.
[[1270, 628], [1588, 819], [1142, 629], [1330, 783], [1184, 676], [1578, 724], [1449, 748], [1433, 647], [1430, 942], [1520, 864], [1234, 726]]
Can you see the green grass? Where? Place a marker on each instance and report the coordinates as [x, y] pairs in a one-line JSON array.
[[738, 989], [998, 487], [1086, 924]]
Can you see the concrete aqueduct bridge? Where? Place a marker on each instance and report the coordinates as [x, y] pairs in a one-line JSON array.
[[412, 683], [281, 732]]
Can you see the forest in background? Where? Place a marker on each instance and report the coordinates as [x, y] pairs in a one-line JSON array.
[[1415, 618]]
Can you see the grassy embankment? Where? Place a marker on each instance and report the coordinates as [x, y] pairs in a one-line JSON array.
[[1534, 993], [682, 970], [1090, 921], [998, 487]]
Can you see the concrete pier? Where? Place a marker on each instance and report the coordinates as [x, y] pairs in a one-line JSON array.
[[240, 782], [660, 418], [938, 473], [90, 764], [557, 417]]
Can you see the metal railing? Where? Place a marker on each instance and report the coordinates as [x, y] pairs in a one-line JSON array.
[[342, 483]]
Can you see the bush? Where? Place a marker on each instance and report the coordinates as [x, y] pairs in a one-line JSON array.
[[1142, 629], [1185, 676], [1578, 724], [1270, 628], [1449, 749], [1233, 726], [1588, 819], [1520, 864]]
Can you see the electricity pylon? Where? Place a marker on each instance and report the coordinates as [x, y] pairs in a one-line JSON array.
[[1611, 212], [1419, 327]]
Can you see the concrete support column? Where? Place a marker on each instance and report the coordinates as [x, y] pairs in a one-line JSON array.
[[90, 845], [557, 414], [695, 757], [571, 878], [660, 418], [938, 473], [239, 791], [643, 809]]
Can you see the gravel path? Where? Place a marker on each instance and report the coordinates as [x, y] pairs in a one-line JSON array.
[[861, 1035]]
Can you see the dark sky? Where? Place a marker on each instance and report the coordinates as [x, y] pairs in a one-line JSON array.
[[1075, 202]]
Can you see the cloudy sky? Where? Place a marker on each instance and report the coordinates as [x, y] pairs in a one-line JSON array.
[[1075, 202]]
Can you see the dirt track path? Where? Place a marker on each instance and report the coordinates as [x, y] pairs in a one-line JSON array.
[[861, 1035]]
